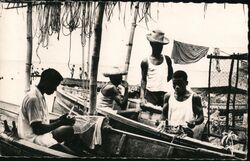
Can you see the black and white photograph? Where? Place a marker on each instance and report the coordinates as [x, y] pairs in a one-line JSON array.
[[124, 80]]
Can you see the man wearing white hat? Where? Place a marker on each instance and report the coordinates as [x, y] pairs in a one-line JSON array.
[[156, 70], [111, 93]]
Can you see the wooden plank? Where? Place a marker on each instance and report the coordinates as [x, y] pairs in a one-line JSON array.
[[120, 145], [237, 57], [148, 130], [36, 149]]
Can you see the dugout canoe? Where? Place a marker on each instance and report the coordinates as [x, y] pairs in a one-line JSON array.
[[67, 97], [115, 143], [11, 145]]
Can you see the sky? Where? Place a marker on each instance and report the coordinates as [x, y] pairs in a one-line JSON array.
[[224, 28]]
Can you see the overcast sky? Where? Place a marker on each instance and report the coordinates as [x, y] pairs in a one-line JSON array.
[[185, 22]]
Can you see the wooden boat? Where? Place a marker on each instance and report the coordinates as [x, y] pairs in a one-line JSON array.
[[11, 145], [115, 143], [67, 98]]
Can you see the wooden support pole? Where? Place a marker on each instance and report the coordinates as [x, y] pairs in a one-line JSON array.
[[95, 56], [229, 92], [209, 91], [131, 38], [29, 48], [236, 86]]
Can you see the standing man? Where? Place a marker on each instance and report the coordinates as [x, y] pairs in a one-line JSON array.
[[72, 71], [80, 72], [156, 71], [33, 120], [182, 107]]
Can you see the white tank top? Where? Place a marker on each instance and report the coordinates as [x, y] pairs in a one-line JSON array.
[[157, 76], [180, 112]]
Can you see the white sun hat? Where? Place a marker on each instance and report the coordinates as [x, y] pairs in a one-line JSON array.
[[114, 71], [158, 36]]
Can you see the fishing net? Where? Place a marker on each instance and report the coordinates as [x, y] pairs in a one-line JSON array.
[[226, 73]]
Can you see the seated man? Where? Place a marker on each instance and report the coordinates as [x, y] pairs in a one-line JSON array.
[[115, 92], [33, 120], [183, 107]]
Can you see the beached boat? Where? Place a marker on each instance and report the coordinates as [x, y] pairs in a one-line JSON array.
[[115, 143], [11, 145], [67, 97]]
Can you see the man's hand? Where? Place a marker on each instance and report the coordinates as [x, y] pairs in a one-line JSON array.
[[67, 120], [162, 125], [124, 84], [191, 124], [143, 102]]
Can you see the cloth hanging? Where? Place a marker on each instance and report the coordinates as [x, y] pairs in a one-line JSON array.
[[217, 53], [89, 130], [184, 53]]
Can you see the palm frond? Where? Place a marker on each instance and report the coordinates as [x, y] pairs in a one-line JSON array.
[[205, 9]]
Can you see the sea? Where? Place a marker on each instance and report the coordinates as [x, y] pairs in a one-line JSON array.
[[12, 77]]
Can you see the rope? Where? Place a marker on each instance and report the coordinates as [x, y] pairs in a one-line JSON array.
[[227, 140], [69, 52]]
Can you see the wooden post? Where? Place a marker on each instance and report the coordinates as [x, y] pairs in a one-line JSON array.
[[29, 48], [235, 91], [209, 90], [131, 38], [229, 92], [95, 57], [83, 47], [88, 58]]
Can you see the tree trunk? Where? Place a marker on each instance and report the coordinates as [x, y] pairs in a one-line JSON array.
[[29, 48], [95, 57], [131, 38]]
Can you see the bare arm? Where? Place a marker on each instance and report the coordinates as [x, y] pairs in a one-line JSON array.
[[120, 99], [164, 115], [170, 68], [197, 109], [39, 128], [144, 70]]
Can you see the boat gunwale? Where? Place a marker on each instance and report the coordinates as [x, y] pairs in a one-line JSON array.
[[154, 131]]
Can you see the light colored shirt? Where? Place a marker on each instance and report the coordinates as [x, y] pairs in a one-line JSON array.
[[34, 108], [103, 101], [180, 112], [157, 76]]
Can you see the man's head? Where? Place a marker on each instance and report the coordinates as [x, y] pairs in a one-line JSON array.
[[115, 75], [180, 82], [50, 79], [157, 40]]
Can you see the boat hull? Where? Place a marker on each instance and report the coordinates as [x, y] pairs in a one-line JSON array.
[[64, 102]]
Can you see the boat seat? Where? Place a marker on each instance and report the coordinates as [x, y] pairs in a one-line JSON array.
[[13, 131], [6, 127], [129, 114]]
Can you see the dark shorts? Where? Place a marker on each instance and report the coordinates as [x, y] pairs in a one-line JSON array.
[[156, 98]]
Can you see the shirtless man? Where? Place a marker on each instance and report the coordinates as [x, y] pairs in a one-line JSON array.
[[156, 71], [183, 107], [115, 92]]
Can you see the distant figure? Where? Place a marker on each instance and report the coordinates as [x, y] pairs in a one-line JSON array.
[[72, 71], [33, 120], [156, 71], [80, 72], [86, 74], [182, 107], [115, 92]]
